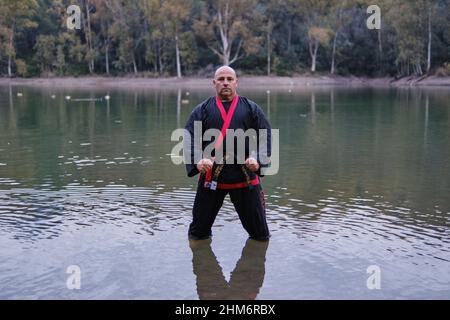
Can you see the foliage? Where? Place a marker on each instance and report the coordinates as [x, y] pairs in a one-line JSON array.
[[175, 37]]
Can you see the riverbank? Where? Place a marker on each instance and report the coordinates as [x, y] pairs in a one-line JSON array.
[[245, 82]]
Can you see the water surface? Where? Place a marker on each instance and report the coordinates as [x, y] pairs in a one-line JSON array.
[[364, 181]]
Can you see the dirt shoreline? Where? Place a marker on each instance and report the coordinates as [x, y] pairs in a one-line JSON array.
[[245, 82]]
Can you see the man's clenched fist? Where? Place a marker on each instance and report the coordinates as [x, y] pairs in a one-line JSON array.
[[204, 165], [252, 164]]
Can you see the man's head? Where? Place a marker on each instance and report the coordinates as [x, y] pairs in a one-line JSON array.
[[225, 81]]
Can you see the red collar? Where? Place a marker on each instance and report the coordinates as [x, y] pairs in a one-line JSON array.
[[223, 113]]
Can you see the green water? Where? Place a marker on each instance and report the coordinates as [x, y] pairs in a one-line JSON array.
[[364, 180]]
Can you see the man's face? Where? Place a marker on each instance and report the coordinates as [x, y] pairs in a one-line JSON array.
[[225, 82]]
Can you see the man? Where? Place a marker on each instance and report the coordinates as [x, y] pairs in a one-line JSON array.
[[218, 177]]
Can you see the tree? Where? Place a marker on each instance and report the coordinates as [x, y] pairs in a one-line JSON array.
[[314, 13], [175, 13], [60, 63], [317, 36], [338, 17], [127, 31], [429, 6], [105, 19], [409, 22], [225, 25], [189, 50], [45, 52], [15, 16], [269, 21], [156, 35], [87, 9], [176, 37]]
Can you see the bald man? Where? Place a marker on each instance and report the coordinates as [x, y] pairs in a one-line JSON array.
[[219, 177]]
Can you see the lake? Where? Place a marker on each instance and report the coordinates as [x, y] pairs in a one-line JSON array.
[[360, 208]]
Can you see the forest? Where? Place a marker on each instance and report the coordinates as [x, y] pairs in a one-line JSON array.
[[168, 38]]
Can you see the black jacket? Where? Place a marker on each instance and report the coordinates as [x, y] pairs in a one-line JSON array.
[[247, 115]]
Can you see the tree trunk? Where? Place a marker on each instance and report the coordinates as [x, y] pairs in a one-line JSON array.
[[10, 53], [429, 40], [225, 52], [268, 55], [177, 51], [419, 69], [313, 65], [134, 65], [155, 61], [289, 35], [226, 58], [178, 107], [380, 50], [313, 47], [333, 55], [269, 47], [107, 59], [223, 28], [160, 58], [9, 67], [89, 39]]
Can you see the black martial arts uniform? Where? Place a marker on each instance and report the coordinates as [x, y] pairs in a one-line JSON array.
[[243, 185]]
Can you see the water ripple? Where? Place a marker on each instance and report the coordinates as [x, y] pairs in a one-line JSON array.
[[32, 214], [340, 225]]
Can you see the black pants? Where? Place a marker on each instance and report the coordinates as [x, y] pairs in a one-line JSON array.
[[249, 204]]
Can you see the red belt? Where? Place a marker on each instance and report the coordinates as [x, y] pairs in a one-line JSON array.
[[227, 186]]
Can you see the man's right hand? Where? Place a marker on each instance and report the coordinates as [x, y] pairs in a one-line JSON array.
[[204, 165]]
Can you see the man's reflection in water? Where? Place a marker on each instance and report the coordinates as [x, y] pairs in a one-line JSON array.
[[246, 278]]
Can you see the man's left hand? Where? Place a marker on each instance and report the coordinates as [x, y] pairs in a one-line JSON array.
[[252, 164]]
